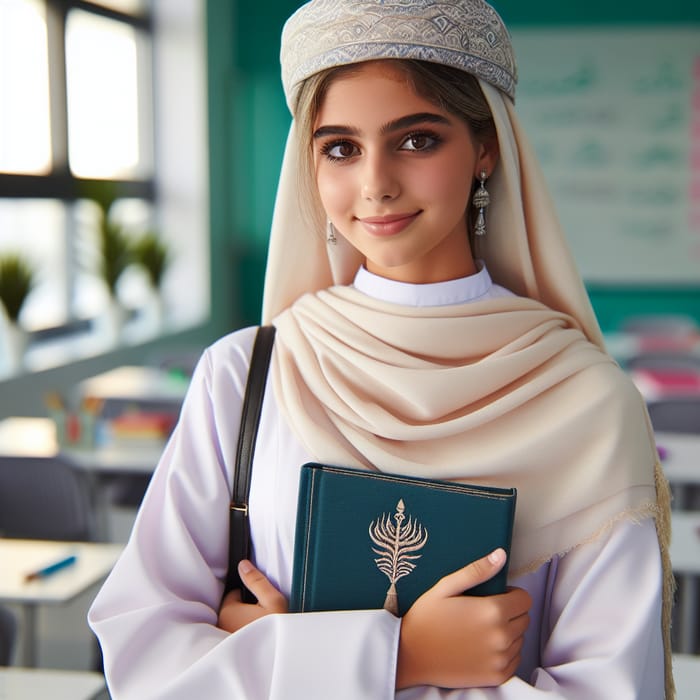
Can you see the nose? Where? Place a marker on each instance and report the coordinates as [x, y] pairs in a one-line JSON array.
[[379, 181]]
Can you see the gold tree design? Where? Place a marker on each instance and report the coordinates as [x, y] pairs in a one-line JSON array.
[[396, 539]]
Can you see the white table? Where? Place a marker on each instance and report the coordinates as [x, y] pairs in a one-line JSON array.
[[681, 466], [685, 559], [682, 462], [686, 673], [20, 557], [36, 437], [34, 683], [136, 383]]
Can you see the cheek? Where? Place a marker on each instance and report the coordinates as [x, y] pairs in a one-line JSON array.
[[448, 183], [333, 189]]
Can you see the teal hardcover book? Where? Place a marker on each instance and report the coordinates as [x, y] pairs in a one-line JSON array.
[[369, 540]]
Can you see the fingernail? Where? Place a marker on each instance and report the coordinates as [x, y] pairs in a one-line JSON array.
[[244, 566], [498, 556]]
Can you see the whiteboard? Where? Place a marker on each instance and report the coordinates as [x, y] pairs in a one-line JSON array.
[[614, 115]]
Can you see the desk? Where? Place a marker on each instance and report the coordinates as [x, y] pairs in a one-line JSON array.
[[19, 557], [685, 560], [31, 683], [136, 385], [681, 464], [686, 673], [36, 437]]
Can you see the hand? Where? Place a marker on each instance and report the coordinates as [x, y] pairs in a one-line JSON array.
[[234, 614], [450, 640]]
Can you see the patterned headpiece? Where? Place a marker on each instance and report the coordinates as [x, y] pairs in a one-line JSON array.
[[465, 34]]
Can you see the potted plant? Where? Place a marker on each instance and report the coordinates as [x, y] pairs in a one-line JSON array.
[[153, 255], [114, 250], [114, 247], [17, 279]]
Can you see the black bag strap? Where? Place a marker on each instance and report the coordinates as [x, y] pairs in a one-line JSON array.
[[239, 524]]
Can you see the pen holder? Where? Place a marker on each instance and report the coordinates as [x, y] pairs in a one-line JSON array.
[[87, 422], [60, 421], [75, 429]]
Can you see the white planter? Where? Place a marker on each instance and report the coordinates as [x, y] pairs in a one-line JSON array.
[[111, 321], [15, 344], [155, 310]]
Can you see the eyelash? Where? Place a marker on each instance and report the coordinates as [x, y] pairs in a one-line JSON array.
[[434, 141], [326, 149]]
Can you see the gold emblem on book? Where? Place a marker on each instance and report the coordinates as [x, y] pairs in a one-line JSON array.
[[397, 539]]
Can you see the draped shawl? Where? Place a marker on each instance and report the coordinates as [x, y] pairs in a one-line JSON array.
[[503, 392]]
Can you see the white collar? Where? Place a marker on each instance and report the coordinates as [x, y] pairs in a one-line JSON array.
[[459, 291]]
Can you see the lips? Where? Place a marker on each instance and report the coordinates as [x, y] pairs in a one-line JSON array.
[[388, 225]]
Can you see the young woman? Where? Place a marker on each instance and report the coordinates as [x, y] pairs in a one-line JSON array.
[[422, 331]]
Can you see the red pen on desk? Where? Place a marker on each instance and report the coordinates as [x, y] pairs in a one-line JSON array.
[[51, 568]]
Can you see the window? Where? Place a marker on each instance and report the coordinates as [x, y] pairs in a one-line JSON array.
[[85, 87]]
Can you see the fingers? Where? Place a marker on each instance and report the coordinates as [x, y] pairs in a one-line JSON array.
[[512, 666], [235, 614], [516, 603], [471, 575], [519, 625], [255, 581], [232, 596]]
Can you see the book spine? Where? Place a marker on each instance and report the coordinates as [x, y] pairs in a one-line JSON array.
[[301, 535]]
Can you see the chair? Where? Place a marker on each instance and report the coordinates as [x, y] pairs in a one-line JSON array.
[[675, 333], [8, 635], [44, 498], [675, 414], [665, 361]]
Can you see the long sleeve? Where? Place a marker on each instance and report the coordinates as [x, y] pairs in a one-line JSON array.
[[595, 623], [156, 614], [599, 633]]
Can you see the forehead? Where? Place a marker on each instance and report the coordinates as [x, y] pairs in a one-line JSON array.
[[371, 90]]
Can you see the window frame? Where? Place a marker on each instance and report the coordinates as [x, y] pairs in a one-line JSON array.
[[60, 183]]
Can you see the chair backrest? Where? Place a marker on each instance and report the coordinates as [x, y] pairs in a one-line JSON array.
[[44, 498], [671, 361], [8, 635], [676, 414]]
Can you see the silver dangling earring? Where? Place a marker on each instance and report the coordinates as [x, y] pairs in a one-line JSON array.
[[481, 200], [330, 233]]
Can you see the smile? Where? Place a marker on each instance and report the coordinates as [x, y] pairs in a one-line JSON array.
[[388, 225]]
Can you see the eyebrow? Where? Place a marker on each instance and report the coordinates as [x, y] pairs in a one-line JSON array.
[[395, 125]]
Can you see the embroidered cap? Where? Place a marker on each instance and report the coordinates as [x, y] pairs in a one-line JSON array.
[[465, 34]]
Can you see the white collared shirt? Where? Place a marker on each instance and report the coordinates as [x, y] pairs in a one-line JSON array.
[[594, 623], [476, 287]]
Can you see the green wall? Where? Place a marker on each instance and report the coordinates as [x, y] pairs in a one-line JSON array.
[[249, 121], [597, 11]]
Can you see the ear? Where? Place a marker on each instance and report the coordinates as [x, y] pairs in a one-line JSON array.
[[487, 159]]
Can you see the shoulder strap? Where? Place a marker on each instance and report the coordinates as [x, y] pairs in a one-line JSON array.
[[239, 524]]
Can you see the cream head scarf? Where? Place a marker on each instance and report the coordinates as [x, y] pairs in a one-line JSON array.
[[513, 392], [525, 249]]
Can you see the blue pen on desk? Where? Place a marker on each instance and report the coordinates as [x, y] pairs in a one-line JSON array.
[[51, 568]]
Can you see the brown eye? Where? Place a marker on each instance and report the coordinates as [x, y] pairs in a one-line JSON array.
[[346, 150], [341, 150], [419, 142]]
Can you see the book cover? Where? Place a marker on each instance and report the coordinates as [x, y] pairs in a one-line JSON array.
[[369, 540]]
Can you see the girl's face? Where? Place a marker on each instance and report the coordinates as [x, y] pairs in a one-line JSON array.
[[395, 172]]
